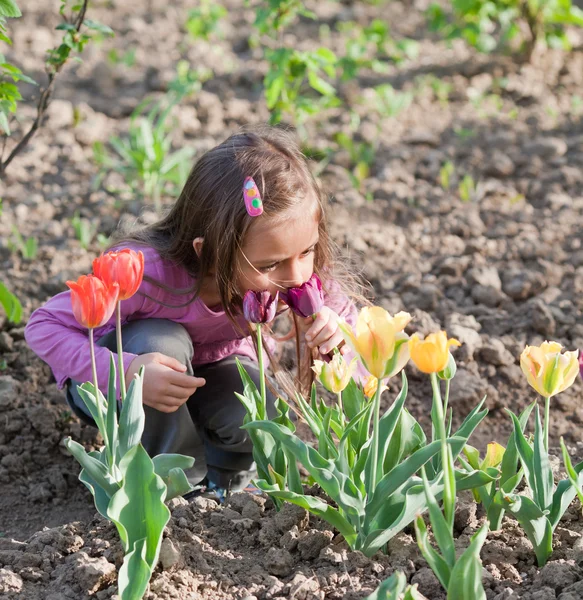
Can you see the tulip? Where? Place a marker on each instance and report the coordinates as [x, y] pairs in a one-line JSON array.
[[334, 375], [431, 355], [307, 299], [259, 307], [370, 386], [93, 301], [125, 267], [547, 370], [379, 340]]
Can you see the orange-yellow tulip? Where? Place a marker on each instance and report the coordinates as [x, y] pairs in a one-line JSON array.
[[92, 300], [431, 355], [547, 370], [379, 340], [370, 386], [124, 267]]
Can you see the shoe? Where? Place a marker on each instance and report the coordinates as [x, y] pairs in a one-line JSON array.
[[207, 489]]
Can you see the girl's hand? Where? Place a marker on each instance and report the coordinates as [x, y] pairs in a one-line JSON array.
[[324, 332], [166, 385]]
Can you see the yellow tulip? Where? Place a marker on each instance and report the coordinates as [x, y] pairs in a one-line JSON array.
[[370, 386], [334, 375], [431, 355], [547, 370], [379, 340]]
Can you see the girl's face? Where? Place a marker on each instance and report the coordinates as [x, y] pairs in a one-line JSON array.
[[279, 253]]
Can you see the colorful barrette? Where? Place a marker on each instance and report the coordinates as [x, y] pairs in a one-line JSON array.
[[252, 198]]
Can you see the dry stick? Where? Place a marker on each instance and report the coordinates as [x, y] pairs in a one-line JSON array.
[[43, 103]]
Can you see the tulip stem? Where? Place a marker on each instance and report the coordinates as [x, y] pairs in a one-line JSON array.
[[100, 422], [446, 463], [261, 372], [375, 437], [341, 408], [122, 375], [546, 425]]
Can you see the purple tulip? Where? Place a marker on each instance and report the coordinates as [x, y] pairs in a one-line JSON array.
[[306, 300], [259, 307]]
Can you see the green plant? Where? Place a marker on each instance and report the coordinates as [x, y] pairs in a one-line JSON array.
[[389, 102], [145, 157], [467, 189], [84, 230], [362, 156], [128, 58], [395, 588], [491, 25], [291, 74], [28, 248], [445, 173], [204, 21], [10, 304], [77, 30]]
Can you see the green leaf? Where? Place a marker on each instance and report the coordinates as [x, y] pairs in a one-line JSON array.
[[571, 473], [8, 8], [132, 418], [317, 507], [391, 588], [9, 301], [138, 508], [526, 454], [177, 484], [96, 470], [465, 582], [563, 496], [388, 422], [111, 416], [438, 565], [135, 572], [535, 524], [100, 496], [510, 459]]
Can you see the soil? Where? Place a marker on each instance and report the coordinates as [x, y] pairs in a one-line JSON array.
[[498, 271]]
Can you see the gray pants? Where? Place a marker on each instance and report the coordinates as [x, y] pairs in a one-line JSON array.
[[207, 426]]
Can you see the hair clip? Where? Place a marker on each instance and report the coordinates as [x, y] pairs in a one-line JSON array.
[[252, 198]]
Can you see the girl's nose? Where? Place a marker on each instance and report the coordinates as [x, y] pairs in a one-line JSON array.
[[295, 275]]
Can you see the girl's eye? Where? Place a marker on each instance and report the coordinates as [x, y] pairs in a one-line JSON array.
[[268, 268], [309, 251]]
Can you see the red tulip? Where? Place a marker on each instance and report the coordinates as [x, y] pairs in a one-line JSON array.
[[259, 307], [125, 267], [93, 301], [307, 299]]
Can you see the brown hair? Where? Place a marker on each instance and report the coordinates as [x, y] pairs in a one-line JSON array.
[[211, 206]]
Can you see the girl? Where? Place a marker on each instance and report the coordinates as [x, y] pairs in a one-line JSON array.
[[185, 324]]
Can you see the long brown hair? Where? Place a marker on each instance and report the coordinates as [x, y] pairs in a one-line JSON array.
[[211, 207]]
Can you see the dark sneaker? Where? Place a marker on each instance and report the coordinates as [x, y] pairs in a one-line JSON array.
[[207, 489]]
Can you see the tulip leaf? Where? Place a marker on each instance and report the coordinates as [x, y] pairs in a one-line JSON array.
[[311, 416], [177, 484], [100, 496], [388, 422], [353, 400], [571, 472], [391, 588], [87, 393], [94, 468], [465, 582], [395, 478], [526, 453], [407, 438], [132, 417], [535, 523], [135, 572], [564, 495], [442, 529], [137, 508], [321, 509], [437, 563], [542, 468], [336, 484], [510, 459]]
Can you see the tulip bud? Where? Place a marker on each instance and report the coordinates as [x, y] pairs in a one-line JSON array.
[[307, 299], [334, 375], [370, 386], [431, 355], [450, 369], [259, 307]]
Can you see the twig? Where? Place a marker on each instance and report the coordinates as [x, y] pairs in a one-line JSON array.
[[43, 102]]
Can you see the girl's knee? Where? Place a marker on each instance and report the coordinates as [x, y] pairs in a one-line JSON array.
[[158, 335]]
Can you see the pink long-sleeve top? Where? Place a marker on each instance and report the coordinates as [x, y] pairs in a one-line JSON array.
[[56, 337]]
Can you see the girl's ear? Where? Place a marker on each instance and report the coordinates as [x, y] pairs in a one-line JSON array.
[[197, 245]]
